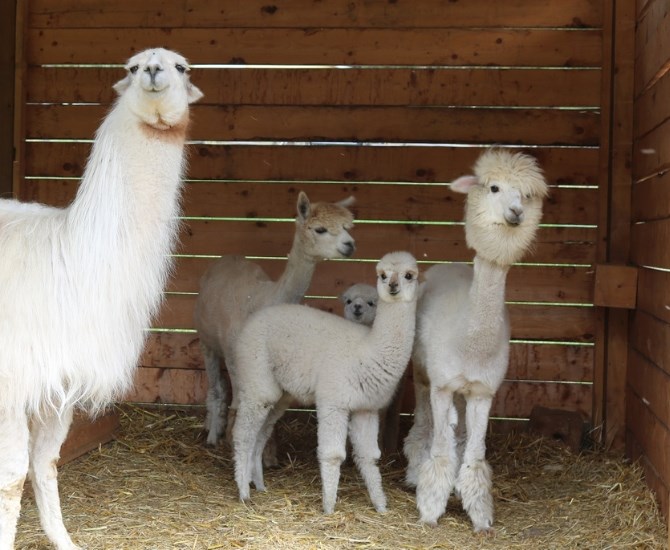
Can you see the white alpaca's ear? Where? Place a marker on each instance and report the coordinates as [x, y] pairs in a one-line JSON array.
[[303, 206], [122, 85], [193, 93], [464, 184], [346, 203]]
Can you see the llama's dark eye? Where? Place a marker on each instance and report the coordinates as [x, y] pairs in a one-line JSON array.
[[180, 68], [409, 276], [382, 276], [348, 302], [134, 68], [495, 189], [371, 304], [320, 230]]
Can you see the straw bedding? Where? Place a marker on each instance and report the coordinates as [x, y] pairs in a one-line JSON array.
[[157, 486]]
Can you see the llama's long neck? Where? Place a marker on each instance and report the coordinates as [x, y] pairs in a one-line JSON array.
[[297, 276], [392, 334], [486, 299]]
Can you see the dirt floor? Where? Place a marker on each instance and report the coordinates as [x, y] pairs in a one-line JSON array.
[[157, 486]]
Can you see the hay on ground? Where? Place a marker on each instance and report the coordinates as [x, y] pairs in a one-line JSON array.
[[158, 486]]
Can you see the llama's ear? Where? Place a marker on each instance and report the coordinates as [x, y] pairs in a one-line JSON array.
[[122, 85], [193, 93], [346, 203], [464, 184], [303, 206]]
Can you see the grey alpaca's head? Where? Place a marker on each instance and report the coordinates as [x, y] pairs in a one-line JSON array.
[[397, 277], [504, 205], [360, 303]]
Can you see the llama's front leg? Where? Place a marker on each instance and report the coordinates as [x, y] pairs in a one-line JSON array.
[[250, 419], [47, 435], [13, 471], [363, 432], [332, 441], [215, 421], [264, 435], [437, 475], [416, 447], [474, 478]]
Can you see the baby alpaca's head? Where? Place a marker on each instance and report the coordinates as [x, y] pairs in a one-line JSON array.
[[397, 277], [360, 303], [504, 205]]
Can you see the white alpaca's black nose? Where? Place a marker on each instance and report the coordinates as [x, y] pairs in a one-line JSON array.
[[153, 67]]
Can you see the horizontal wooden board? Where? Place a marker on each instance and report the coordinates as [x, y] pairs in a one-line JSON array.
[[311, 13], [653, 293], [652, 44], [651, 198], [415, 202], [649, 243], [570, 166], [650, 337], [514, 399], [379, 86], [539, 322], [357, 124], [650, 432], [426, 242], [651, 153], [652, 107], [524, 283], [320, 46], [536, 362], [651, 384]]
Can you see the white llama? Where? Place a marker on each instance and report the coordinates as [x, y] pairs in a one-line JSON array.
[[462, 345], [233, 288], [292, 353], [360, 303], [78, 285]]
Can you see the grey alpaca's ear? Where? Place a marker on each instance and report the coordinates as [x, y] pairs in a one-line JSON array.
[[303, 206], [464, 184], [346, 203]]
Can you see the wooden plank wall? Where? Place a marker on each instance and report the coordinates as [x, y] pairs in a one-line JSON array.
[[383, 100], [648, 405]]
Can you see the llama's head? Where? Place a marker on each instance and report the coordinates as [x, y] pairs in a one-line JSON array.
[[157, 88], [360, 303], [504, 205], [397, 277], [323, 228]]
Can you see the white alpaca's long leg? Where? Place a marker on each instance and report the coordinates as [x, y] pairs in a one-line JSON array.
[[461, 435], [250, 419], [363, 432], [437, 475], [13, 471], [266, 431], [332, 441], [215, 422], [474, 478], [47, 435], [416, 447]]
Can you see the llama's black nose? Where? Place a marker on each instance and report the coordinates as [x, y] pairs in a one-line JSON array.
[[357, 309], [153, 67], [349, 248]]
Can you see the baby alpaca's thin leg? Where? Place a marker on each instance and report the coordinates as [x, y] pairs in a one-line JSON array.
[[474, 478], [215, 421], [332, 436], [363, 431], [266, 431], [250, 419], [13, 471], [438, 474]]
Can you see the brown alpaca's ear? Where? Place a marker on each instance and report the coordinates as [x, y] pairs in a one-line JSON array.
[[464, 184], [303, 206], [122, 85], [346, 203]]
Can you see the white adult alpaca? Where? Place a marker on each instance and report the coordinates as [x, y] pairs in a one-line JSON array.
[[462, 345], [350, 371], [233, 288], [360, 303], [79, 285]]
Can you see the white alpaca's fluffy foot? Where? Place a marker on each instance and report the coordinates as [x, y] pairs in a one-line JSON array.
[[474, 483], [417, 451], [436, 480]]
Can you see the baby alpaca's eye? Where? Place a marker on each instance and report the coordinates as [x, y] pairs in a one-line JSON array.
[[134, 68], [409, 276], [371, 304], [495, 189], [382, 276], [180, 68], [320, 230], [348, 302]]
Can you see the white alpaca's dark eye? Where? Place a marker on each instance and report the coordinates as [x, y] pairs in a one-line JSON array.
[[180, 68], [320, 230], [134, 68], [495, 189], [409, 276], [382, 276]]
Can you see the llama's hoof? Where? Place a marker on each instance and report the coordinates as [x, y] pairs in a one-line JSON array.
[[428, 522], [485, 532], [213, 439]]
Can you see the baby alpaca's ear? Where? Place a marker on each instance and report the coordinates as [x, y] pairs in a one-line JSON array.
[[464, 184]]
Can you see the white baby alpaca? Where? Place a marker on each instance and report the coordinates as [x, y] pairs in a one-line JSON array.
[[290, 352]]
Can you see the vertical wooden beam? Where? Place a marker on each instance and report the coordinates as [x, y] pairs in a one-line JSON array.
[[20, 65], [7, 49], [615, 213]]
